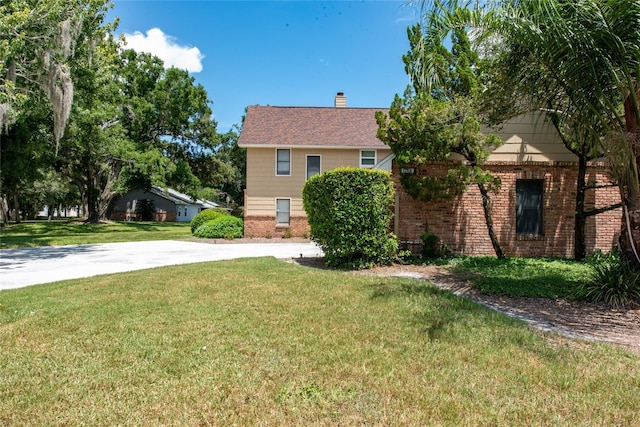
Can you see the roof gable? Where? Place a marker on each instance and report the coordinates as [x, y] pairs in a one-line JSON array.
[[310, 126]]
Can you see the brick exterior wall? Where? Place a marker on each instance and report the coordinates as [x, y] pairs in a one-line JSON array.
[[265, 226], [159, 216], [460, 223]]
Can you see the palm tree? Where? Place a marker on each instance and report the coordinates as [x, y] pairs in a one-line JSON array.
[[583, 55]]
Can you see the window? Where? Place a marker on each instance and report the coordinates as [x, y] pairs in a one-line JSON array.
[[313, 165], [529, 207], [283, 162], [367, 159], [283, 211]]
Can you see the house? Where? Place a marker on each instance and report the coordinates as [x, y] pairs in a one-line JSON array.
[[534, 210], [287, 145], [169, 205]]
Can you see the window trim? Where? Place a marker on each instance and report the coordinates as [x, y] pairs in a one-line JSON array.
[[283, 224], [540, 209], [277, 161], [375, 158], [306, 167]]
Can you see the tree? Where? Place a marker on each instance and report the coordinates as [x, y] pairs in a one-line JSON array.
[[587, 51], [440, 117], [37, 41]]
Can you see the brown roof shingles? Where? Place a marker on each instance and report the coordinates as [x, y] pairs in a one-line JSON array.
[[310, 126]]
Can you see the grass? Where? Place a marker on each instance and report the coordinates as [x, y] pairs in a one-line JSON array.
[[262, 342], [523, 277], [72, 232]]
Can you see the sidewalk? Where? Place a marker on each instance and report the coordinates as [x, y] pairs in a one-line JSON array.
[[31, 266]]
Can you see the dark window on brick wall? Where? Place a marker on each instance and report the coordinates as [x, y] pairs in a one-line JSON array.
[[529, 207]]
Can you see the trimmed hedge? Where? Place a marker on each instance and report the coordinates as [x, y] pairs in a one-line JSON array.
[[349, 211], [223, 227], [207, 215]]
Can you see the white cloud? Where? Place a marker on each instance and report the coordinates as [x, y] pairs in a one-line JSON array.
[[164, 46]]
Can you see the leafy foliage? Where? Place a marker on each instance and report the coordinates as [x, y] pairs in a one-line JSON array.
[[349, 210], [523, 277], [205, 216], [432, 246], [225, 227], [614, 281], [438, 117]]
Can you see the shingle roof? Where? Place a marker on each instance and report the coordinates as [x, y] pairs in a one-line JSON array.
[[180, 198], [310, 126]]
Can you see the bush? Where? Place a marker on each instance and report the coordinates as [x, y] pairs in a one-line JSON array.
[[349, 212], [614, 282], [207, 215], [431, 247], [223, 227]]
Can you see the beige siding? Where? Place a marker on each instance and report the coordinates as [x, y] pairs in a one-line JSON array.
[[528, 138], [264, 187]]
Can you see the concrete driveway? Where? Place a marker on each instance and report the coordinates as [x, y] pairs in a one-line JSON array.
[[32, 266]]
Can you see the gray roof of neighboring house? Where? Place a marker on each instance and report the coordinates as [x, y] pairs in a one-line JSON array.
[[328, 127], [180, 198]]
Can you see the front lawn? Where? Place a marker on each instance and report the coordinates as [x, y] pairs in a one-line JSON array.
[[73, 232], [262, 342]]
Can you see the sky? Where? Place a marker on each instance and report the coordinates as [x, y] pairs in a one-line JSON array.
[[280, 53]]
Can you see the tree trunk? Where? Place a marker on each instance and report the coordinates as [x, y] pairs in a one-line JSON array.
[[630, 192], [579, 237], [93, 215], [487, 205], [16, 208]]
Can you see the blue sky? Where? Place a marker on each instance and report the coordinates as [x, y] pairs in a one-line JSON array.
[[284, 53]]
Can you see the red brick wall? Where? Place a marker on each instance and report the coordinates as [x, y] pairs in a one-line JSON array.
[[159, 216], [461, 226], [265, 226]]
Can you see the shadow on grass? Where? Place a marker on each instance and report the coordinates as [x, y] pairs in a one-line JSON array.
[[438, 313]]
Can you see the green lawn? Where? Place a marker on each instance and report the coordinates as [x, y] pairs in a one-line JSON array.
[[70, 232], [263, 342]]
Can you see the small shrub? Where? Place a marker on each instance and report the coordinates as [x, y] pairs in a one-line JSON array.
[[431, 246], [614, 282], [286, 234], [223, 227], [207, 215]]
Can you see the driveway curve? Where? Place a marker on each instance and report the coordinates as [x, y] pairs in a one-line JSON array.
[[32, 266]]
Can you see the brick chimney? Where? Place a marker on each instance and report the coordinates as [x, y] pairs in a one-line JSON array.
[[340, 101]]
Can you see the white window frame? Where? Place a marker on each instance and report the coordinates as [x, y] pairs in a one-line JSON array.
[[375, 158], [306, 164], [277, 151], [283, 224]]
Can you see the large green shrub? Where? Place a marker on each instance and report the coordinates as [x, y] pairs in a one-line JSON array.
[[349, 211], [206, 215], [223, 227]]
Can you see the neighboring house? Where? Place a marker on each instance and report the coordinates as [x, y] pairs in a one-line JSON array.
[[170, 205], [533, 212], [287, 145]]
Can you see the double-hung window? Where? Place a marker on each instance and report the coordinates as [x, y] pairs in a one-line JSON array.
[[529, 200], [313, 165], [283, 211], [367, 158], [283, 162]]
